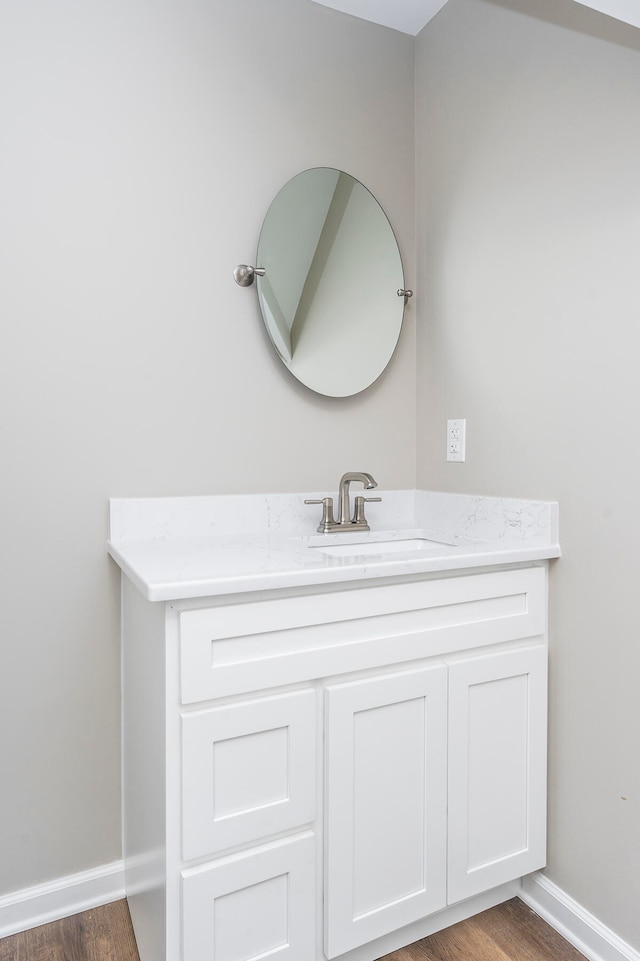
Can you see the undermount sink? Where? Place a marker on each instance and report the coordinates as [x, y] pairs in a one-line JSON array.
[[411, 545]]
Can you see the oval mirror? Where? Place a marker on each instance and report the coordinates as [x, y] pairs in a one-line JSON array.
[[331, 294]]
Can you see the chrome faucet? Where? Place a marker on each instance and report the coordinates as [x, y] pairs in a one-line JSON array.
[[345, 521]]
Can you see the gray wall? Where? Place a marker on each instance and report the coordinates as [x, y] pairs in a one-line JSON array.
[[141, 145], [528, 198]]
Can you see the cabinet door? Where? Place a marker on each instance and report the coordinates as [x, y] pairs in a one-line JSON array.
[[253, 904], [497, 769], [385, 818]]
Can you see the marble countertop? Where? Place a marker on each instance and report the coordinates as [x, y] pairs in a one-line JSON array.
[[187, 547]]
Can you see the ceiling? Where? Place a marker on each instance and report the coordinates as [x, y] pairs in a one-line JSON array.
[[626, 10], [410, 16]]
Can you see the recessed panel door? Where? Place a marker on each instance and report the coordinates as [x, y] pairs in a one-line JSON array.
[[385, 816], [497, 769]]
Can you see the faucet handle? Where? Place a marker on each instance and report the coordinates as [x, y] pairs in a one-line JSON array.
[[327, 523], [358, 517]]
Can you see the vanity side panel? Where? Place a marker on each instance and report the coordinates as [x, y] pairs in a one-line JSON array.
[[143, 768]]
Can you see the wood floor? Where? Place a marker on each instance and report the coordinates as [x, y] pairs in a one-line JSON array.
[[102, 934], [509, 932]]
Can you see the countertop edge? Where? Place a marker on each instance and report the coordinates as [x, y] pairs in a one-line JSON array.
[[157, 590]]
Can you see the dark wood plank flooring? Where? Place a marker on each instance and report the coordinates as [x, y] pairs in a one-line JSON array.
[[509, 932], [101, 934]]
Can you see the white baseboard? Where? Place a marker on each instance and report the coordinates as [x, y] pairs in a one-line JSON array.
[[69, 895], [573, 922], [61, 898]]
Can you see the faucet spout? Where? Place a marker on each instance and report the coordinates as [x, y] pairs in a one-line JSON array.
[[344, 509]]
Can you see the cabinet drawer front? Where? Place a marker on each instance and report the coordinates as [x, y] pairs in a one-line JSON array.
[[240, 648], [252, 905], [248, 771]]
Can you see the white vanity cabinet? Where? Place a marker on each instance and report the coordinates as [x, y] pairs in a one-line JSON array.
[[332, 770]]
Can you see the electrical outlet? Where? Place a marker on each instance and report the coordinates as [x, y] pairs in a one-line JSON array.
[[456, 440]]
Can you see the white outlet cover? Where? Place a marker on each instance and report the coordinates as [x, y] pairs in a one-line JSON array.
[[457, 440]]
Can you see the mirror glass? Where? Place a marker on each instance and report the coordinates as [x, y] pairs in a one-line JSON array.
[[329, 294]]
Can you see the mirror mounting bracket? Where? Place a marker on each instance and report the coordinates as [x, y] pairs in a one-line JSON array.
[[244, 275]]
